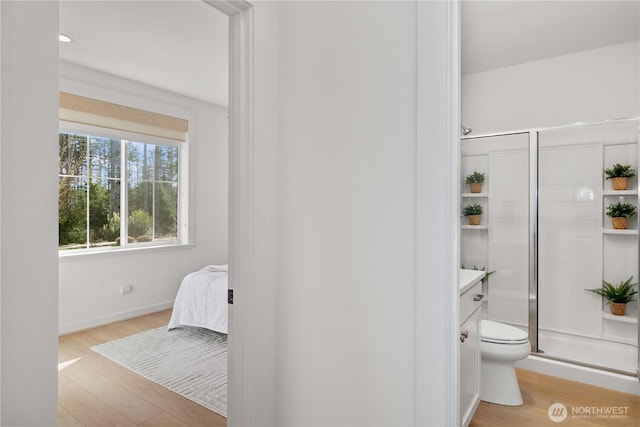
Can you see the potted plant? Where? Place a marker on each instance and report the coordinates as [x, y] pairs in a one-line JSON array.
[[620, 213], [619, 176], [617, 296], [473, 212], [475, 181]]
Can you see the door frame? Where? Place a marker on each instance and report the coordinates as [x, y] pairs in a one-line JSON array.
[[241, 342], [438, 230]]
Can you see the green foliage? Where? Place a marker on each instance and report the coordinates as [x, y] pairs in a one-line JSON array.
[[159, 163], [472, 210], [475, 178], [72, 197], [622, 293], [72, 213], [620, 171], [99, 210], [139, 223], [111, 230], [83, 181], [621, 210], [166, 210]]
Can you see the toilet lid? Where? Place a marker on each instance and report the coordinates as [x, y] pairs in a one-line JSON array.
[[501, 333]]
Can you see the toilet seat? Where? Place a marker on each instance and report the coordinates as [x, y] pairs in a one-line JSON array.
[[499, 333]]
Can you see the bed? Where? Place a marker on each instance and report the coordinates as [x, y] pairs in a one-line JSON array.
[[202, 300]]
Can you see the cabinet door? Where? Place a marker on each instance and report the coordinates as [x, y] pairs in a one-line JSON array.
[[470, 368]]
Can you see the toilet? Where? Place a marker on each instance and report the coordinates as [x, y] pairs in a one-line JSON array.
[[500, 346]]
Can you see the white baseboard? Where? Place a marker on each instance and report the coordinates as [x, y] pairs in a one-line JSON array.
[[68, 329]]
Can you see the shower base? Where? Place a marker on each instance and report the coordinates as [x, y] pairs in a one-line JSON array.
[[601, 363]]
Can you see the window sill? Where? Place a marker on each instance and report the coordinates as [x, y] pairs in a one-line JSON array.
[[139, 250]]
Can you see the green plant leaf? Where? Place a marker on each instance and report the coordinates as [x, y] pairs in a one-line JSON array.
[[622, 293], [621, 210], [620, 171], [475, 177], [474, 209]]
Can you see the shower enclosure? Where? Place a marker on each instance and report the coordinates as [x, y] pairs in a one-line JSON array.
[[545, 235]]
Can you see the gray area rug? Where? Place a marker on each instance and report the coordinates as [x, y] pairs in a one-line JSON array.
[[189, 361]]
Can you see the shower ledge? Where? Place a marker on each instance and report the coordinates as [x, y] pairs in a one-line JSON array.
[[614, 231], [625, 319]]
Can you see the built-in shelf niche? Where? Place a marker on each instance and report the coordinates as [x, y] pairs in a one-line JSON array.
[[619, 247], [481, 199], [474, 238], [624, 196]]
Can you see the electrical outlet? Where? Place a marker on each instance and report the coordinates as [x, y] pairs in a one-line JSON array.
[[125, 289]]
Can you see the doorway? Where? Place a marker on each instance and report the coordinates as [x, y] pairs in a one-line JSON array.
[[137, 76], [577, 250]]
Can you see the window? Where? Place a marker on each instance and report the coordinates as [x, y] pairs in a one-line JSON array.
[[122, 179], [117, 192]]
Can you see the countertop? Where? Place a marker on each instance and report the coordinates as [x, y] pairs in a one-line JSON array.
[[468, 278]]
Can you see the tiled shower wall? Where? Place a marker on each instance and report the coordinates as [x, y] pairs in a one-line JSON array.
[[569, 255], [508, 245]]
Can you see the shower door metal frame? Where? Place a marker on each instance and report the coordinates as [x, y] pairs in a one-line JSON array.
[[638, 264], [533, 240]]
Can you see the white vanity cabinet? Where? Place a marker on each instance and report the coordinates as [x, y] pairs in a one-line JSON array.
[[471, 298]]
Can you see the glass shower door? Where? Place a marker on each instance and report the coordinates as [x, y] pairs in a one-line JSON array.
[[500, 243]]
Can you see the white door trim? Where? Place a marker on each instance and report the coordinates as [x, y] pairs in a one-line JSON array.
[[241, 376], [437, 202]]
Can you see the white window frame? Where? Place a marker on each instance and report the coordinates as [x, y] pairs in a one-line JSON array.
[[183, 237]]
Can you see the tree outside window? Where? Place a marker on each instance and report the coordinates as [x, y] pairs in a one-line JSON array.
[[91, 185]]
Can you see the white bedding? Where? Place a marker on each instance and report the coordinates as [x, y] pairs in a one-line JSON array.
[[202, 300]]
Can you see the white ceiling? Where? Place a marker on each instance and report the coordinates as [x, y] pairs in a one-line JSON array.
[[182, 46], [502, 33]]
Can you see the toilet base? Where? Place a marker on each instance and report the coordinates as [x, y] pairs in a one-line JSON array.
[[499, 383]]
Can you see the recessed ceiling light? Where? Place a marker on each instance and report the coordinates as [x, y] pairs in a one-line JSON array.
[[64, 38]]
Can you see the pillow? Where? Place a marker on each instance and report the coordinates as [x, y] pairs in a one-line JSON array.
[[221, 267]]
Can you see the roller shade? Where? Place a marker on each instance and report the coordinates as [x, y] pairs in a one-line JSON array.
[[93, 112]]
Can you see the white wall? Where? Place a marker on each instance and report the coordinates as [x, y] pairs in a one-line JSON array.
[[592, 85], [28, 250], [90, 284], [347, 218]]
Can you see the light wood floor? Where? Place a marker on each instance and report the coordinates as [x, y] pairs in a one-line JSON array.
[[94, 391], [540, 391]]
